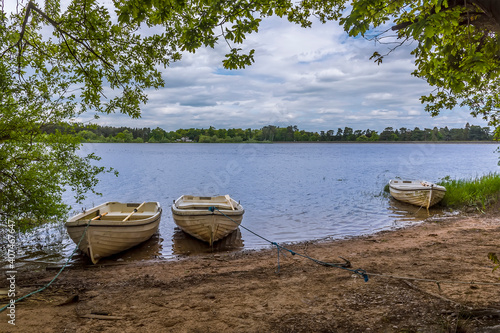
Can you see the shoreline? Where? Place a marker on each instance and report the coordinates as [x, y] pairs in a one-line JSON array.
[[243, 292], [313, 142]]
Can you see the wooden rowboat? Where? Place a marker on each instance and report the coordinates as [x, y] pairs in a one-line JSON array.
[[114, 227], [193, 214], [417, 192]]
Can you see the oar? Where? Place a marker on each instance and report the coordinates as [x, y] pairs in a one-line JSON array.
[[99, 216], [134, 211], [229, 200]]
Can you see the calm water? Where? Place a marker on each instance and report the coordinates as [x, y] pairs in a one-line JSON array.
[[290, 192]]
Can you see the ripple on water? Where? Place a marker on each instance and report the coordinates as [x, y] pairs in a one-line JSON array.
[[290, 192]]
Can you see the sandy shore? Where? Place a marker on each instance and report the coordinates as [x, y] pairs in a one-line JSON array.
[[243, 292]]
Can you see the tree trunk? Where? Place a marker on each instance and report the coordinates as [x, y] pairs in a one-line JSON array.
[[491, 18], [486, 18]]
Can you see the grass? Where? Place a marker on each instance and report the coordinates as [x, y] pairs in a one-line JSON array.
[[478, 192]]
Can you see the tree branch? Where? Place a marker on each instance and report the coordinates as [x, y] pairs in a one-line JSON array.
[[64, 32]]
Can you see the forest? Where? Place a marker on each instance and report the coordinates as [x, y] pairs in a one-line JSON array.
[[270, 133]]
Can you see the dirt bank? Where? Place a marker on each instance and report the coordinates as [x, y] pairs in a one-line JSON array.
[[242, 292]]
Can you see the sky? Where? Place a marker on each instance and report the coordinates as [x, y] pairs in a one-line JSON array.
[[317, 78]]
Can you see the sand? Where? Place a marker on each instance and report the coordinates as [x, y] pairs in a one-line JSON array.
[[433, 277]]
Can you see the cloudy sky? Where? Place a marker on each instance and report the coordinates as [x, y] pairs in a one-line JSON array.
[[317, 79]]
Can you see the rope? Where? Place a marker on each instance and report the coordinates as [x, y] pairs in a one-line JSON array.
[[55, 277], [360, 272]]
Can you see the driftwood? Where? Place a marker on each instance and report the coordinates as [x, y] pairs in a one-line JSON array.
[[57, 267], [345, 264]]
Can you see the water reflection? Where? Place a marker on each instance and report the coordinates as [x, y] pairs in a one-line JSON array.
[[150, 249], [405, 214], [40, 253], [39, 247], [291, 192], [185, 244]]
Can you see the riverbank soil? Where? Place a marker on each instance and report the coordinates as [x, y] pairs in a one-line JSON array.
[[243, 292]]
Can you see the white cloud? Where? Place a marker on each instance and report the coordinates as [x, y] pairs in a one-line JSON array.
[[379, 96], [384, 114]]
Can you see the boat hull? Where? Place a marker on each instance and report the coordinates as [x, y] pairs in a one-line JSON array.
[[418, 193], [110, 234], [196, 219]]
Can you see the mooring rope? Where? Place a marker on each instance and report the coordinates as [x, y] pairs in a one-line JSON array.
[[55, 277], [360, 272]]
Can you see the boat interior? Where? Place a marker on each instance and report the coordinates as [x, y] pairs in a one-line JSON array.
[[198, 202], [113, 211]]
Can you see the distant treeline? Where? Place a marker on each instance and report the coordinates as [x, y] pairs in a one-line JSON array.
[[95, 133]]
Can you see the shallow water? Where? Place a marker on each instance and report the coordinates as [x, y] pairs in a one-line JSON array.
[[290, 192]]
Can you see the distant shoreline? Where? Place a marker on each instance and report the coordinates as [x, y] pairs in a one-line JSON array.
[[320, 142], [386, 142]]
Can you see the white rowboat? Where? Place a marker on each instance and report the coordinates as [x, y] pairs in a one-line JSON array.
[[114, 227], [193, 216], [417, 192]]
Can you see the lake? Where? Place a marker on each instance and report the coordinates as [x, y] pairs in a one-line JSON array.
[[290, 192]]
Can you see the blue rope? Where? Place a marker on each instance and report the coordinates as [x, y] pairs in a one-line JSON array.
[[360, 272], [55, 277]]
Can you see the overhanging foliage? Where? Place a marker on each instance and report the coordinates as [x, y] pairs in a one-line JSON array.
[[58, 63]]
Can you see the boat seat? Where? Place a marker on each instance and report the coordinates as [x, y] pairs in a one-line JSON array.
[[189, 205], [121, 216]]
